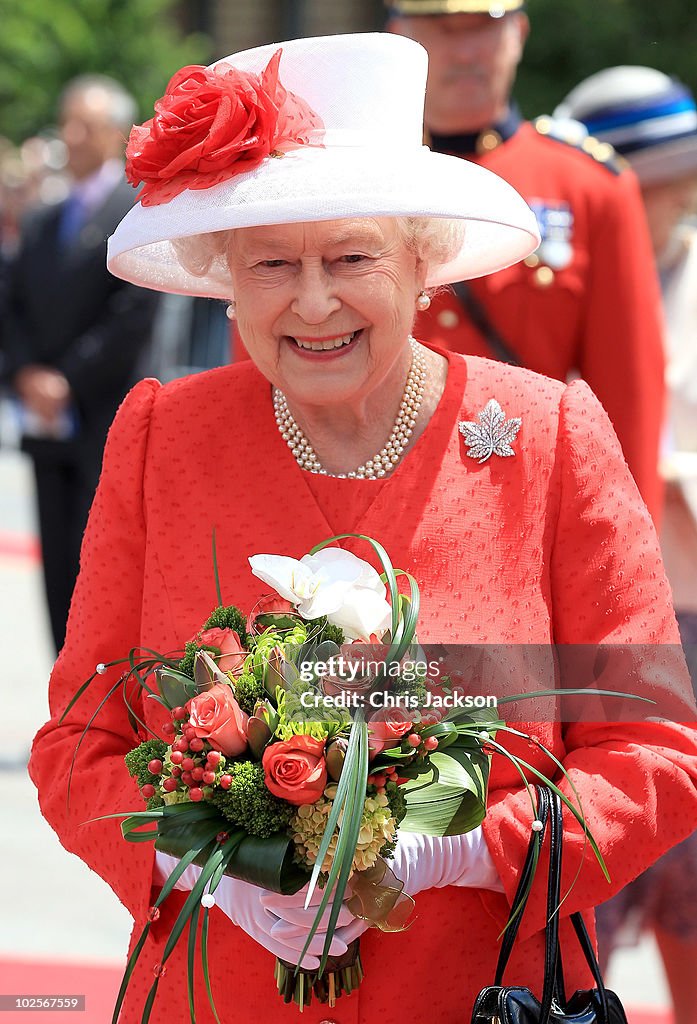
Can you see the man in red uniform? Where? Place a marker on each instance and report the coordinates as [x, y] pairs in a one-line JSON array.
[[587, 302]]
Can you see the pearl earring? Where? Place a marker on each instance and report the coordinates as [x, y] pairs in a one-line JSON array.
[[423, 301], [231, 311]]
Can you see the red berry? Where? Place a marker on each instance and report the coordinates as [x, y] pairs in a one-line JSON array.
[[189, 731], [169, 785], [196, 744], [176, 757], [225, 781], [147, 790], [187, 778], [180, 714], [176, 772], [188, 764], [380, 781], [155, 766], [414, 740], [400, 781], [391, 770], [168, 729], [195, 794], [197, 773], [180, 744], [208, 778], [431, 743], [213, 757], [371, 780]]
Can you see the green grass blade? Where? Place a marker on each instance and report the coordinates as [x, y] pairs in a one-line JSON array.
[[130, 967], [584, 691], [191, 960], [112, 690], [216, 572], [342, 791], [347, 842], [205, 964], [356, 771]]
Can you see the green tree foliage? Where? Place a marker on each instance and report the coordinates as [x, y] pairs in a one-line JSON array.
[[45, 43], [571, 39]]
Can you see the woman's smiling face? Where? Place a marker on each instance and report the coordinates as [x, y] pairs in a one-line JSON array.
[[325, 308]]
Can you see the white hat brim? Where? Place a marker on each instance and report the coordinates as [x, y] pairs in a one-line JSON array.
[[314, 183]]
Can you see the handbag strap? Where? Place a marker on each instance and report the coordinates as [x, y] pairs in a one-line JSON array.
[[549, 813]]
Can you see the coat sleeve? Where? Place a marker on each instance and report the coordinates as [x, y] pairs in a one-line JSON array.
[[103, 625], [637, 781], [621, 354]]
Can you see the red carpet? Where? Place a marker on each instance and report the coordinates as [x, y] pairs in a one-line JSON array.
[[100, 983], [19, 545]]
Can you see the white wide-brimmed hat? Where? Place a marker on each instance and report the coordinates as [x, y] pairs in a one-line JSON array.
[[647, 116], [348, 142]]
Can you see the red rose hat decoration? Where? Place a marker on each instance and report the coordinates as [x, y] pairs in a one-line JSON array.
[[212, 124]]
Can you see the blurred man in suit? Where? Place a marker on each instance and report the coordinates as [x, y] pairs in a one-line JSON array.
[[73, 334]]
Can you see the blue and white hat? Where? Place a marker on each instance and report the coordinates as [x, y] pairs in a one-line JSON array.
[[648, 117]]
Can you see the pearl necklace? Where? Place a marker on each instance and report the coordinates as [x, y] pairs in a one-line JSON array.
[[388, 457]]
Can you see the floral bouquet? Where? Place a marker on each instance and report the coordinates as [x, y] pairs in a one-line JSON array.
[[278, 766]]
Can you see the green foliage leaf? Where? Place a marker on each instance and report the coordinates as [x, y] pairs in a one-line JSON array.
[[455, 802]]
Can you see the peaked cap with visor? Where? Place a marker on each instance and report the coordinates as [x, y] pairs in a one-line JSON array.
[[307, 130]]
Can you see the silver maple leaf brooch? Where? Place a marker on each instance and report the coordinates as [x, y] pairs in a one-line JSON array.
[[493, 435]]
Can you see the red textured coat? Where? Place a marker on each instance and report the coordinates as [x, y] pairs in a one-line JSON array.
[[598, 316], [552, 544]]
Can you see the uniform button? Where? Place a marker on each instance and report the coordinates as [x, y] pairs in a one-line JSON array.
[[448, 318], [533, 260], [488, 141], [544, 276], [604, 152]]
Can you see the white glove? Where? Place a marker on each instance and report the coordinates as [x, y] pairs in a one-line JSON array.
[[244, 905], [428, 862], [294, 922]]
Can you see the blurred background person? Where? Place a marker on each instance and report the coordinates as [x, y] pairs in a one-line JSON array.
[[73, 334], [587, 302], [651, 119]]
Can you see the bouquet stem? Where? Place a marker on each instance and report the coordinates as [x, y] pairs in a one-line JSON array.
[[342, 975]]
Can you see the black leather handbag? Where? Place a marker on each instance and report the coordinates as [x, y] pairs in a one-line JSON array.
[[499, 1004]]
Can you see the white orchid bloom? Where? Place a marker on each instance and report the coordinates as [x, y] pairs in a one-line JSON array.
[[332, 582]]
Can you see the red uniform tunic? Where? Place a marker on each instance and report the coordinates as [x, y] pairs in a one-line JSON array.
[[587, 304], [551, 544]]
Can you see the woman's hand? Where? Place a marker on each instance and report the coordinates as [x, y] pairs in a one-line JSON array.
[[293, 921], [278, 923]]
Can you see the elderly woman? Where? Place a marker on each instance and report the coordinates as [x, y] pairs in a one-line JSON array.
[[301, 194]]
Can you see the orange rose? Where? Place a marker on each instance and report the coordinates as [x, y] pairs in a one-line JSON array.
[[295, 770], [217, 717], [386, 728], [232, 653]]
